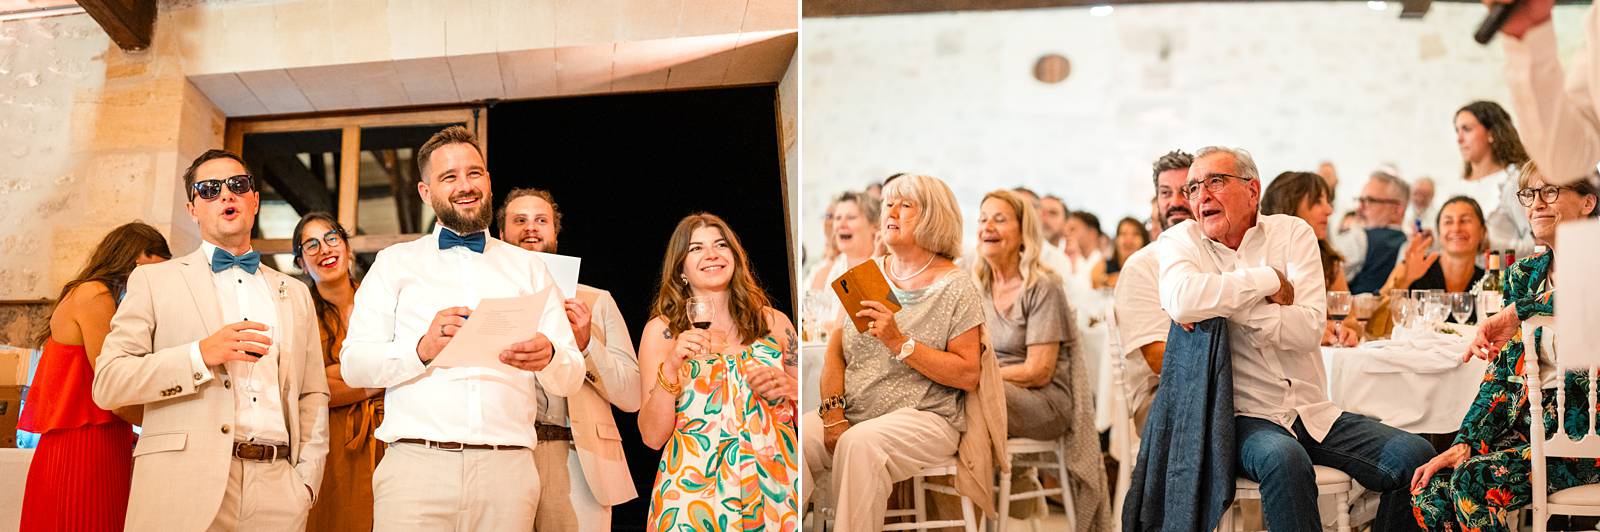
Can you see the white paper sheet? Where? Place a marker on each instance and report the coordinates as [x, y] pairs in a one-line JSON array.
[[494, 325], [565, 269], [1577, 311]]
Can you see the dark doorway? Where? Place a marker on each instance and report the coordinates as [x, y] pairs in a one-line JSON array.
[[624, 169]]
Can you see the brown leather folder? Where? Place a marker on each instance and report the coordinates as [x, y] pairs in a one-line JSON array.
[[865, 282]]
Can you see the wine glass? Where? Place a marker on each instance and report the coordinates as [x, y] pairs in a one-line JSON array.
[[1490, 303], [1364, 305], [700, 314], [1338, 310], [1435, 307], [1461, 306]]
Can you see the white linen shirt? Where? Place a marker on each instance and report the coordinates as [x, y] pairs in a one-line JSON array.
[[1277, 363], [411, 282], [258, 403], [1140, 322]]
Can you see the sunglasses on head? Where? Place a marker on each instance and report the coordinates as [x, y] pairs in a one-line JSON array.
[[211, 188]]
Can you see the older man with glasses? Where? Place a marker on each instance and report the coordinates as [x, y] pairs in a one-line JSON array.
[[1263, 274], [1370, 253]]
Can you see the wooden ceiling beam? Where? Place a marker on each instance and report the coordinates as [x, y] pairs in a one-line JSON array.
[[130, 23]]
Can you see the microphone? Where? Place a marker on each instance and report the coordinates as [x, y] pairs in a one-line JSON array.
[[1498, 14]]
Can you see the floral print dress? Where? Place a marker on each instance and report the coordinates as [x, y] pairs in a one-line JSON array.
[[732, 461], [1497, 479]]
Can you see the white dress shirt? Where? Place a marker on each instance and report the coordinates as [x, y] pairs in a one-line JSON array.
[[611, 348], [257, 402], [1140, 322], [1557, 113], [1277, 359], [411, 282]]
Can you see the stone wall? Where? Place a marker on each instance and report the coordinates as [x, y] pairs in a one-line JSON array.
[[953, 95], [93, 137]]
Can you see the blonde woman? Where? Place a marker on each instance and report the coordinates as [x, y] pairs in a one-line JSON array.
[[895, 396], [854, 232]]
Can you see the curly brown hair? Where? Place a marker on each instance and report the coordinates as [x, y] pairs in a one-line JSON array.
[[1505, 145], [748, 302]]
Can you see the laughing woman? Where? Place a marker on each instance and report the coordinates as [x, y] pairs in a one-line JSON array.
[[720, 399], [353, 413]]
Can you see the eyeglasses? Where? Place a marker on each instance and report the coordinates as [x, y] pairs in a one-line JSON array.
[[1213, 183], [1379, 201], [312, 246], [1549, 194], [211, 188]]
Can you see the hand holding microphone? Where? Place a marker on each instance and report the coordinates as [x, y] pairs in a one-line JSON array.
[[1512, 17]]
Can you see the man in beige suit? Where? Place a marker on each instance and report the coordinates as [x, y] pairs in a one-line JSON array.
[[223, 354], [582, 422]]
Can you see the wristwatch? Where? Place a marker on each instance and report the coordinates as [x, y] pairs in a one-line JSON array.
[[906, 349]]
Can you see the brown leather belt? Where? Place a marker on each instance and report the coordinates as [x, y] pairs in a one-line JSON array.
[[548, 432], [453, 446], [260, 453]]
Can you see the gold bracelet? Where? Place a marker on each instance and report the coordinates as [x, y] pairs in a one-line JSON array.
[[661, 381]]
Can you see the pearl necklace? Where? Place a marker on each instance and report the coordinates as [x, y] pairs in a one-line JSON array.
[[924, 268]]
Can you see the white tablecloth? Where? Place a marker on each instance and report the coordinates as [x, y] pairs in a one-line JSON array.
[[1429, 403], [13, 475], [811, 375]]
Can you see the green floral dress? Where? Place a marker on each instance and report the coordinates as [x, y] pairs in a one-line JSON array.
[[1496, 479], [731, 463]]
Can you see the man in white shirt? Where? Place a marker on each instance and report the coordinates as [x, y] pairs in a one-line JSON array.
[[1264, 275], [1556, 111], [460, 438], [1141, 325], [223, 354], [580, 453]]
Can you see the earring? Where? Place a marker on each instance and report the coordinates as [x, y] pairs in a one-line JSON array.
[[684, 279]]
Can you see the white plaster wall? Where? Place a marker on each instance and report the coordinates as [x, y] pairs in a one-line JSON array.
[[952, 95]]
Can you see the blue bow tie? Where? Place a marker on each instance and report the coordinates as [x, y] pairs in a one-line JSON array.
[[222, 260], [449, 239]]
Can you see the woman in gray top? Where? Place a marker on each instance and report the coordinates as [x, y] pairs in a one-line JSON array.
[[1036, 340], [893, 395]]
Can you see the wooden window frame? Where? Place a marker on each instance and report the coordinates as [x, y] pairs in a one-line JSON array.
[[350, 125]]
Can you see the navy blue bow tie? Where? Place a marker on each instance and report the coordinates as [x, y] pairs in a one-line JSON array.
[[222, 260], [449, 239]]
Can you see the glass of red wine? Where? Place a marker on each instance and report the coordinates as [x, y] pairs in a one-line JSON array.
[[1338, 310], [700, 313]]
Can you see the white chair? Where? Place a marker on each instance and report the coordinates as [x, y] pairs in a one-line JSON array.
[[1024, 446], [1330, 481], [919, 505], [1124, 437], [1581, 500]]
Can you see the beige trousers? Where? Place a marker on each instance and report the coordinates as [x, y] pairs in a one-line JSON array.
[[418, 488], [565, 501], [870, 457], [264, 496]]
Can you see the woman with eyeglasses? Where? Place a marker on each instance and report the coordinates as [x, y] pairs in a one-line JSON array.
[[1492, 156], [322, 251], [82, 470], [1478, 483]]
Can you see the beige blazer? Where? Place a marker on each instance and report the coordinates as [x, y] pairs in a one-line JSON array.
[[594, 429], [180, 465]]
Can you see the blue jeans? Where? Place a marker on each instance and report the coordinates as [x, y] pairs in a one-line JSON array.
[[1378, 456]]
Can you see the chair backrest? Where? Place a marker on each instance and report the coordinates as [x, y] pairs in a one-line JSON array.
[[1538, 337]]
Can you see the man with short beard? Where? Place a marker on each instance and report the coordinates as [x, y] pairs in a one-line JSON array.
[[584, 474], [1141, 324], [459, 437]]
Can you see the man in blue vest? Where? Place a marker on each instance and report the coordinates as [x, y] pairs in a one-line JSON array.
[[1370, 253]]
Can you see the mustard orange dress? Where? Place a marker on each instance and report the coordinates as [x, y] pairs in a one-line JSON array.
[[345, 500], [732, 461]]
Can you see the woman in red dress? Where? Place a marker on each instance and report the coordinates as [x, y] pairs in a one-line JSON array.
[[79, 477]]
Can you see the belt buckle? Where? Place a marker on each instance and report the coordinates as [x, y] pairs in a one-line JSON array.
[[447, 446]]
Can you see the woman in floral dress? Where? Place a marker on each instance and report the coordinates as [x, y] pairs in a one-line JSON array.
[[719, 399], [1480, 480]]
